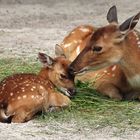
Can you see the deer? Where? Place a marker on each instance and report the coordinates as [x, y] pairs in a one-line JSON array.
[[74, 42], [106, 79], [24, 95], [114, 45]]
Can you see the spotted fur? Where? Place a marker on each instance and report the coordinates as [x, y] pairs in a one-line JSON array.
[[23, 95]]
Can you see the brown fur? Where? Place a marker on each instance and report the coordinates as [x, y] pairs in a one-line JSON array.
[[76, 35], [23, 95], [117, 48], [106, 79]]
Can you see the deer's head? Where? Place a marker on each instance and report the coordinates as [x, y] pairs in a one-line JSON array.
[[106, 44], [56, 70]]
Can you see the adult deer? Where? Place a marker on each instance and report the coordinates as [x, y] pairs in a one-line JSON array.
[[23, 95], [114, 44], [106, 79], [75, 42]]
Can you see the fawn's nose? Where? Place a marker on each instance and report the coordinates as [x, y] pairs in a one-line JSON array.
[[72, 91]]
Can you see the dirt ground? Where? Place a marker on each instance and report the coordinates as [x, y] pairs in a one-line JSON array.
[[30, 26]]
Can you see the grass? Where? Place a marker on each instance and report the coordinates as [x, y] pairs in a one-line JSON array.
[[87, 106]]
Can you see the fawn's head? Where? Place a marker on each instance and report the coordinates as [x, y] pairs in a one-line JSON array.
[[105, 46], [56, 70]]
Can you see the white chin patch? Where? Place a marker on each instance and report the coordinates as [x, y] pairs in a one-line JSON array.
[[65, 91], [3, 115], [84, 70]]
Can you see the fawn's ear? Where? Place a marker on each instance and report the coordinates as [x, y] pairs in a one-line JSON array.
[[46, 60], [59, 51], [112, 15], [129, 24]]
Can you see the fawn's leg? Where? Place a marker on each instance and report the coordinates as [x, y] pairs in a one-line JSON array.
[[20, 115], [25, 113], [57, 101]]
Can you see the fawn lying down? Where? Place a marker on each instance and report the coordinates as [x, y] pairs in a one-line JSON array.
[[23, 95]]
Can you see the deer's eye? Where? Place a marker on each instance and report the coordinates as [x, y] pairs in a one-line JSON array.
[[63, 76], [97, 48]]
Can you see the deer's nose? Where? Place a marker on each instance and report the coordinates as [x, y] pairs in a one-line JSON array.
[[72, 91], [71, 71]]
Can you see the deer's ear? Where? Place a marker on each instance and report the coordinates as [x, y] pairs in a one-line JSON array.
[[46, 60], [59, 51], [112, 15], [129, 24]]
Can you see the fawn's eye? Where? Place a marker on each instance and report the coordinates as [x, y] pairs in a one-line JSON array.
[[97, 48], [63, 76]]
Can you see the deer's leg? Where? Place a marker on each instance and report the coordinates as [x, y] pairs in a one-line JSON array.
[[109, 90], [57, 101], [24, 114], [19, 116]]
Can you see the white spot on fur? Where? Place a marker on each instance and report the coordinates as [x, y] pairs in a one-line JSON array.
[[105, 71], [41, 87], [96, 74], [42, 94], [137, 38], [114, 67], [84, 29], [78, 50], [75, 41], [27, 84], [32, 89], [18, 97], [3, 87], [72, 32], [11, 94], [67, 45], [24, 96], [113, 75], [23, 89], [32, 96]]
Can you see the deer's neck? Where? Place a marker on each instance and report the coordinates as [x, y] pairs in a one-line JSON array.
[[130, 62], [44, 74]]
